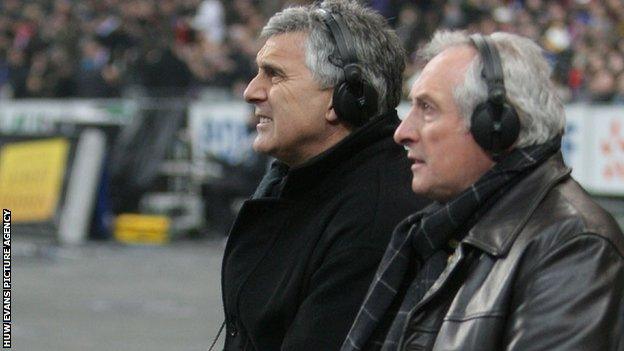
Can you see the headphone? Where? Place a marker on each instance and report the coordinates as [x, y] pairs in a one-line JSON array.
[[494, 123], [354, 99]]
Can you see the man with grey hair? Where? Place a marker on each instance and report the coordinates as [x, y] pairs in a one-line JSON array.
[[304, 248], [513, 254]]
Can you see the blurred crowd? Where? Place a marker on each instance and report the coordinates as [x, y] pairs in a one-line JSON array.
[[103, 48]]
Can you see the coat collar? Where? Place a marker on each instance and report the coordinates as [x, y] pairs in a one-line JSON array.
[[496, 231], [314, 170]]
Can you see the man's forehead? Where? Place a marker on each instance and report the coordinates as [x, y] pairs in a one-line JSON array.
[[448, 66], [280, 46], [453, 60]]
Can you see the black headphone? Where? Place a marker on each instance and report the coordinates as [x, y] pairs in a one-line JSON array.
[[354, 99], [494, 123]]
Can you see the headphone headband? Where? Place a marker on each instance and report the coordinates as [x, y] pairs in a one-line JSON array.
[[340, 36], [492, 67]]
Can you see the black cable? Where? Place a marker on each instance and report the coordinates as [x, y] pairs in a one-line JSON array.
[[216, 337]]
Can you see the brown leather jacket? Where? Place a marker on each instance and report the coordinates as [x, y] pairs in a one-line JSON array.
[[548, 274]]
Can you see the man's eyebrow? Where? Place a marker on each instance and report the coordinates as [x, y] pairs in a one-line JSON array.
[[416, 98], [424, 97], [270, 67]]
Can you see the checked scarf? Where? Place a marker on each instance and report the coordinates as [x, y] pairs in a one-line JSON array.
[[270, 184], [421, 240]]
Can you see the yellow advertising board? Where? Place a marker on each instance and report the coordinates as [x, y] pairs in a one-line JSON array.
[[31, 178], [142, 229]]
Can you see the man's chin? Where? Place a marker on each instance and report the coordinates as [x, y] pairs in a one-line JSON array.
[[417, 188], [261, 146], [420, 188]]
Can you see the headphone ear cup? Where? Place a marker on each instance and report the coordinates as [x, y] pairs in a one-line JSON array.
[[481, 126], [370, 100], [509, 127], [344, 103], [349, 109], [491, 135]]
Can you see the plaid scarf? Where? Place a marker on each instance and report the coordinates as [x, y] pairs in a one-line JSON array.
[[420, 241], [270, 185]]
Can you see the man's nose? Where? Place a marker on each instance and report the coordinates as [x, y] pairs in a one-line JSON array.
[[255, 91], [406, 133]]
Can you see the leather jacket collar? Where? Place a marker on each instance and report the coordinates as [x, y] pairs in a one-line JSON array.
[[496, 231]]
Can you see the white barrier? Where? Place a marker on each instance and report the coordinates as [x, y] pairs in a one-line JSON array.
[[219, 129], [593, 145], [42, 116], [82, 187], [601, 147]]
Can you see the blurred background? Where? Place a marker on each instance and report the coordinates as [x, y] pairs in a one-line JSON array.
[[125, 147]]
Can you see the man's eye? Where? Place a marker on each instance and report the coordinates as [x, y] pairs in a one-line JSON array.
[[274, 75], [425, 106]]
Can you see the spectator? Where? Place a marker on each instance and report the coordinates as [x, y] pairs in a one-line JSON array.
[[17, 72], [95, 77], [619, 93], [214, 39], [209, 20]]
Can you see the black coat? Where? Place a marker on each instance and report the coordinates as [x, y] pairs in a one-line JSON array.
[[296, 268], [550, 275]]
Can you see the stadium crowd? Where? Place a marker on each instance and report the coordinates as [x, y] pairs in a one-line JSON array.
[[93, 48]]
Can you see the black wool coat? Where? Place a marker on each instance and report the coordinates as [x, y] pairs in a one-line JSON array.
[[297, 267]]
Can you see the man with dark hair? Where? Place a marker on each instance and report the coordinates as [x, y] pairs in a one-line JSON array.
[[514, 254], [304, 248]]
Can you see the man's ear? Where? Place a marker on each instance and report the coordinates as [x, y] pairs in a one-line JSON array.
[[330, 114]]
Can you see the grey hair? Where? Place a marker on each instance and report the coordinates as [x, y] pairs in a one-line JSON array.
[[527, 83], [375, 45]]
